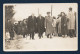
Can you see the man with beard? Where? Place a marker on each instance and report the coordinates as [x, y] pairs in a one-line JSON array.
[[31, 25], [40, 25]]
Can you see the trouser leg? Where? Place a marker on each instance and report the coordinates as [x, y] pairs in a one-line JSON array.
[[32, 35], [73, 33], [11, 36], [39, 35], [70, 33], [23, 35], [55, 31], [42, 34], [48, 36]]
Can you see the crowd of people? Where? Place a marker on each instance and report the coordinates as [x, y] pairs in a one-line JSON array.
[[63, 25]]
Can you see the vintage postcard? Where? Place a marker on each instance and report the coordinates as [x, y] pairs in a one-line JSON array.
[[40, 27]]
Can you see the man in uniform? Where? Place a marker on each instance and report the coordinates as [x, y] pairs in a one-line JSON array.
[[48, 25]]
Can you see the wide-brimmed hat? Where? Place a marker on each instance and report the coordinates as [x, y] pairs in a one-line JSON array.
[[70, 8], [48, 12]]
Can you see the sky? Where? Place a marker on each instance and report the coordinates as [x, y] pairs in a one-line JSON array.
[[24, 10]]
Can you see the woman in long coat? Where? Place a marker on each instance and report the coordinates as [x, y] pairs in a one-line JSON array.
[[63, 24], [24, 28], [48, 25], [19, 28], [54, 26], [59, 25]]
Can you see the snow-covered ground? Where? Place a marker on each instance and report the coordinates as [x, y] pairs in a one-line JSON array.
[[44, 44]]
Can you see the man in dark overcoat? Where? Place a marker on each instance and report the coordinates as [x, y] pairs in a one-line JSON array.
[[19, 28], [31, 25], [16, 28], [10, 29], [40, 25], [24, 28], [63, 24]]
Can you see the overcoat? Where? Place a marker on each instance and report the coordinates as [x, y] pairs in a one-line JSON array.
[[19, 29], [54, 22], [63, 25], [16, 28], [71, 20], [40, 24], [11, 29], [24, 28], [59, 25], [48, 25], [31, 24]]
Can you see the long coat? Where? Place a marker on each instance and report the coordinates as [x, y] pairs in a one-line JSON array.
[[24, 28], [40, 24], [31, 24], [16, 29], [63, 25], [36, 30], [71, 20], [11, 29], [48, 25], [59, 25], [19, 29], [54, 22]]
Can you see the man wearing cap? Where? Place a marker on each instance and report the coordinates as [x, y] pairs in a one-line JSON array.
[[71, 23], [48, 25]]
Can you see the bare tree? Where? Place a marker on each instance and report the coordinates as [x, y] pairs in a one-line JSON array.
[[9, 13]]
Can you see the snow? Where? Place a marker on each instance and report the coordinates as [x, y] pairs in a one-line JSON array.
[[44, 44]]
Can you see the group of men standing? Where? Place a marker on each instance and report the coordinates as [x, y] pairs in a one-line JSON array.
[[35, 25], [62, 26]]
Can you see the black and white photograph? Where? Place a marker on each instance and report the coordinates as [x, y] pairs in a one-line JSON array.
[[40, 27]]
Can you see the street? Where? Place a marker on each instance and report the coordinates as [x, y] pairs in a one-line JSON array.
[[45, 44]]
